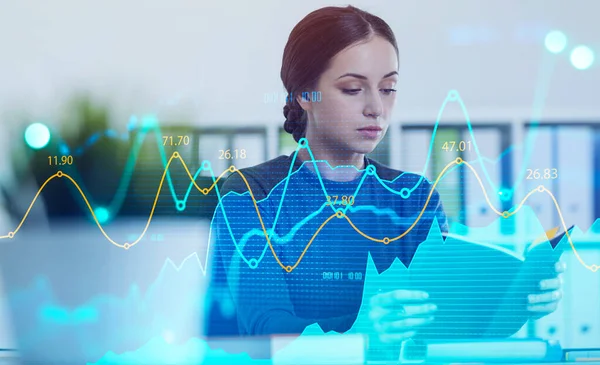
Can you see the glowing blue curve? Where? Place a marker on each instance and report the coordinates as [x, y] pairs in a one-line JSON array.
[[538, 102], [290, 235], [286, 181], [117, 201], [453, 95], [133, 158], [271, 232], [109, 133]]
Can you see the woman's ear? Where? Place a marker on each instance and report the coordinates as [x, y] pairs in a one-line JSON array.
[[304, 100]]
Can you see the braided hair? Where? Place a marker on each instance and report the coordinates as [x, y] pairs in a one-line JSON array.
[[295, 119]]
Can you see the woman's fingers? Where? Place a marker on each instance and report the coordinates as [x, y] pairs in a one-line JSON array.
[[551, 284], [398, 314], [418, 310], [543, 308], [548, 297]]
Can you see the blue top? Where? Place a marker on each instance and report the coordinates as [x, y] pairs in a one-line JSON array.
[[325, 282]]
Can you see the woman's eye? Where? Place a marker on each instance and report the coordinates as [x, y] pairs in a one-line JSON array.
[[354, 91]]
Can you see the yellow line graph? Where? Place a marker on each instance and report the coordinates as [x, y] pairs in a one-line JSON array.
[[338, 214]]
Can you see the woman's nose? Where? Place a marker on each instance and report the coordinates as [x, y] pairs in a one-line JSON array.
[[374, 105]]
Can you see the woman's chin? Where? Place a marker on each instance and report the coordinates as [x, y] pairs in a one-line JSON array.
[[364, 146]]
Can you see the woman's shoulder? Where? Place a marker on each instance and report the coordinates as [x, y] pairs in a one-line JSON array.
[[261, 178]]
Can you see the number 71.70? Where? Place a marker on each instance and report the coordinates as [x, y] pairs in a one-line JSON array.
[[176, 140]]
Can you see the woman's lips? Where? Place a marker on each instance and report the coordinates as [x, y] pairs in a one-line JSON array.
[[370, 132]]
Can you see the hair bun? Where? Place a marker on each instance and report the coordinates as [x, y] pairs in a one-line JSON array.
[[294, 122], [286, 111]]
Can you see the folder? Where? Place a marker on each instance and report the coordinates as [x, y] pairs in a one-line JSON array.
[[480, 289]]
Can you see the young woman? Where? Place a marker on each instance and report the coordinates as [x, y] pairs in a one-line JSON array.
[[288, 259]]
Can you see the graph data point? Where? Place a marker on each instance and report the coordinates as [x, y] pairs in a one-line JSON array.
[[405, 193], [11, 234], [253, 263], [231, 168], [288, 268], [303, 143], [459, 161], [59, 174], [594, 267], [339, 213], [371, 169], [206, 165], [386, 240], [176, 155], [180, 205], [204, 191], [505, 214], [126, 246], [452, 95], [541, 188]]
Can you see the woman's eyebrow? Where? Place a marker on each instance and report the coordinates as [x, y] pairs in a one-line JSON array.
[[364, 77]]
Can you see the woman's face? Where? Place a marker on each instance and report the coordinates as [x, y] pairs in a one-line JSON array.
[[358, 86]]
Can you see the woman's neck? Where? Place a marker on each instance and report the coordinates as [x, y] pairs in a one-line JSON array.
[[334, 159]]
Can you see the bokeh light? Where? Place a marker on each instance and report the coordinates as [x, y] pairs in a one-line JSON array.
[[102, 214], [149, 121], [556, 41], [582, 57], [133, 121], [37, 135]]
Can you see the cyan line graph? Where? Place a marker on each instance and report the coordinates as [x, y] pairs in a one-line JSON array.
[[150, 125], [303, 143], [253, 262], [298, 226], [109, 133], [370, 170]]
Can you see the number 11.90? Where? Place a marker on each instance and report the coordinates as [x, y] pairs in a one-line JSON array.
[[63, 160]]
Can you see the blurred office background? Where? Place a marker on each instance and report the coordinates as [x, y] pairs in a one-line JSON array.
[[210, 70]]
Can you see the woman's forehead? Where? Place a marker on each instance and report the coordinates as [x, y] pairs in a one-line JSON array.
[[373, 59]]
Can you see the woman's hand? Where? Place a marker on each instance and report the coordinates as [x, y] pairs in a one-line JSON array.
[[397, 315], [546, 301]]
